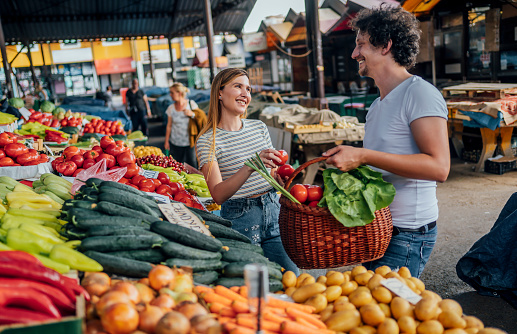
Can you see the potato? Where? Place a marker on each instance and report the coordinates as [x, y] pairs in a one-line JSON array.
[[404, 272], [360, 298], [430, 327], [471, 330], [473, 322], [389, 326], [386, 309], [364, 330], [362, 279], [427, 293], [400, 307], [344, 306], [335, 278], [327, 312], [289, 291], [407, 324], [454, 331], [332, 293], [374, 281], [372, 314], [490, 330], [450, 319], [358, 270], [426, 309], [341, 299], [383, 270], [307, 281], [318, 301], [305, 292], [322, 280], [419, 284], [289, 279], [300, 279], [330, 272], [382, 295], [348, 287], [344, 321], [452, 306], [411, 285]]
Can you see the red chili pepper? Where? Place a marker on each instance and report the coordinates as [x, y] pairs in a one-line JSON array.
[[60, 300], [37, 273], [15, 315], [19, 256], [29, 298], [78, 289]]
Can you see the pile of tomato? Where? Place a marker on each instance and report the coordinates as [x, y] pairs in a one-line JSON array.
[[104, 127], [13, 153]]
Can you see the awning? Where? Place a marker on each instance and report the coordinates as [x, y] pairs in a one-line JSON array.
[[419, 7], [115, 65]]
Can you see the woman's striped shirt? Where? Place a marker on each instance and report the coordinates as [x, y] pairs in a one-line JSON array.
[[233, 148]]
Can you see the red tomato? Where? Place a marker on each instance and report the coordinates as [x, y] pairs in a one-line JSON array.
[[14, 150], [164, 178], [163, 189], [78, 159], [282, 154], [314, 203], [91, 154], [25, 158], [120, 142], [146, 189], [107, 141], [136, 179], [299, 192], [56, 161], [132, 170], [176, 187], [115, 149], [70, 151], [156, 182], [126, 158], [285, 171], [4, 162], [2, 153], [67, 168], [314, 193], [77, 171], [147, 183], [132, 185], [7, 138], [183, 197], [123, 180], [97, 149], [110, 160], [87, 163], [43, 158]]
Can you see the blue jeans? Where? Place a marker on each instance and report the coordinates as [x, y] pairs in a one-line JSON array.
[[407, 249], [257, 219]]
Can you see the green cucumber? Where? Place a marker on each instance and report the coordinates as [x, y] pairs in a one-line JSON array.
[[91, 222], [274, 285], [196, 265], [212, 217], [119, 210], [244, 245], [129, 201], [127, 188], [236, 269], [221, 231], [148, 255], [96, 231], [186, 236], [72, 232], [121, 266], [205, 277], [173, 249], [94, 182], [151, 203], [243, 255], [120, 242]]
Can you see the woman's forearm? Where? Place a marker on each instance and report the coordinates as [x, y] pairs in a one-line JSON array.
[[224, 190]]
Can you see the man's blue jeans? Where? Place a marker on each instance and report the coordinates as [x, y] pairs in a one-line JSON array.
[[257, 218], [407, 249]]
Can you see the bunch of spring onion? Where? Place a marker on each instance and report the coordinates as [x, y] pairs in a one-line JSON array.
[[257, 164]]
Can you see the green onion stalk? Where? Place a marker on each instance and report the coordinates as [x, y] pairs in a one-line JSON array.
[[257, 165]]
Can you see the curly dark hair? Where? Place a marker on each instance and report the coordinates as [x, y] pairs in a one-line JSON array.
[[387, 23]]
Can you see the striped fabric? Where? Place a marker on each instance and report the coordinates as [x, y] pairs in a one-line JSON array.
[[233, 148]]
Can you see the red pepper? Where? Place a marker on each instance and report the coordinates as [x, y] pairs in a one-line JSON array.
[[19, 256], [30, 271], [29, 298], [15, 315], [59, 299], [78, 289]]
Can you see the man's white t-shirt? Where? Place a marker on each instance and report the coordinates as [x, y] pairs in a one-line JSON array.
[[388, 129]]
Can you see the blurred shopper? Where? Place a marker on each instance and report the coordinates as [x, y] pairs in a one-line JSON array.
[[184, 121], [39, 92], [109, 97], [136, 106], [405, 134], [223, 147]]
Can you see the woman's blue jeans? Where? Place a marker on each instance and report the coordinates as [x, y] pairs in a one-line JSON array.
[[257, 218], [407, 249]]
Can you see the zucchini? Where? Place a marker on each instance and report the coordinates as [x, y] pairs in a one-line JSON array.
[[83, 204], [221, 231], [212, 217], [94, 182], [96, 231], [120, 242], [127, 188], [173, 249], [236, 269], [119, 221], [186, 236], [121, 266], [151, 203], [205, 277], [72, 232], [89, 191], [243, 245], [129, 201], [243, 255], [274, 285], [119, 210], [148, 255], [196, 265]]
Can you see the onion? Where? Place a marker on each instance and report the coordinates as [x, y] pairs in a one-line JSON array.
[[120, 318], [205, 324], [96, 283], [164, 301], [182, 282], [183, 296], [144, 280], [191, 309], [94, 326], [129, 289], [149, 318], [146, 293], [110, 298], [173, 323], [160, 276]]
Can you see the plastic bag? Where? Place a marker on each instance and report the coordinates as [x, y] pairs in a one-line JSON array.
[[98, 171]]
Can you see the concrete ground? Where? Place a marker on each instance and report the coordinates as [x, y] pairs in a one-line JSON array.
[[469, 204]]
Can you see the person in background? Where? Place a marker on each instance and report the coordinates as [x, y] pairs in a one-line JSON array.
[[137, 107], [224, 145], [405, 133], [109, 97], [179, 116], [39, 92]]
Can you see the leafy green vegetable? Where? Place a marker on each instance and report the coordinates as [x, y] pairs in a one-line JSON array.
[[16, 102], [353, 197], [47, 106]]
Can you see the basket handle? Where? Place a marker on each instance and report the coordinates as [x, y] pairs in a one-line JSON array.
[[302, 167]]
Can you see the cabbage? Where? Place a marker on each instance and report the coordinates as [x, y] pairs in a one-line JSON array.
[[47, 106], [58, 110], [16, 102]]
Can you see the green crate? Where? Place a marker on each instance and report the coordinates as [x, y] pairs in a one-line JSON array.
[[68, 325]]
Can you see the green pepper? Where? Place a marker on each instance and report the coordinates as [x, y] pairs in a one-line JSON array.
[[9, 221], [49, 263], [56, 226], [73, 244], [25, 241], [42, 232], [31, 214], [73, 258], [200, 191], [4, 247]]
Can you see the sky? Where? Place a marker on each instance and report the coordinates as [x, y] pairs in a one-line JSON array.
[[265, 8]]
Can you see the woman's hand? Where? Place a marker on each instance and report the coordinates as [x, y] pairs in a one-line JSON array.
[[268, 157], [166, 145]]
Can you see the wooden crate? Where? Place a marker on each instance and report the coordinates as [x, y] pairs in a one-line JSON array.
[[454, 113], [479, 90], [308, 128]]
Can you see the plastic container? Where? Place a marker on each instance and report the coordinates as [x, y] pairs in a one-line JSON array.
[[499, 168]]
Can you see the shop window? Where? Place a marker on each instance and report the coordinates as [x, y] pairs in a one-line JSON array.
[[479, 60]]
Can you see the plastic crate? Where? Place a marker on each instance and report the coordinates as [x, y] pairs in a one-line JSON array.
[[499, 168], [471, 156]]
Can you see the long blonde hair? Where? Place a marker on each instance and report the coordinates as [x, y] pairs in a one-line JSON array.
[[222, 79]]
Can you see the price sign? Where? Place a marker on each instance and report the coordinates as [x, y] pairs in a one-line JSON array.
[[150, 174], [160, 198], [177, 213], [401, 290]]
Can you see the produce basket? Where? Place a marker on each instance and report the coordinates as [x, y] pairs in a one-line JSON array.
[[314, 239]]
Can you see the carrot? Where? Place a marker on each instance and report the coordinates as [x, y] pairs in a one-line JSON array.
[[264, 324], [275, 302], [225, 320], [229, 325], [244, 291], [294, 313], [276, 310], [214, 297], [304, 322], [291, 327], [240, 306], [227, 312], [200, 289], [227, 293], [270, 316], [270, 326], [242, 330], [235, 288]]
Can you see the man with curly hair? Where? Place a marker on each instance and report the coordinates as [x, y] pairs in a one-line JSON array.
[[405, 133]]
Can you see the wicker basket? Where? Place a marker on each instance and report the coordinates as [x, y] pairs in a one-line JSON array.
[[314, 239]]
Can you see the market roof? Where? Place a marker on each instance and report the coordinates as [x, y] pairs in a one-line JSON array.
[[54, 20]]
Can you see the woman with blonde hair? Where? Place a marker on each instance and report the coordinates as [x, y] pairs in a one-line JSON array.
[[224, 144], [182, 114]]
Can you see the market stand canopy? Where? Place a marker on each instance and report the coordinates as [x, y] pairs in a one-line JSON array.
[[55, 20]]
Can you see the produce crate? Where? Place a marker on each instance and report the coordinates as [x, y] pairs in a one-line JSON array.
[[308, 128], [479, 90], [471, 156], [499, 167]]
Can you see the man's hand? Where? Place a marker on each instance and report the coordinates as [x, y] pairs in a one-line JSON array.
[[344, 157]]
